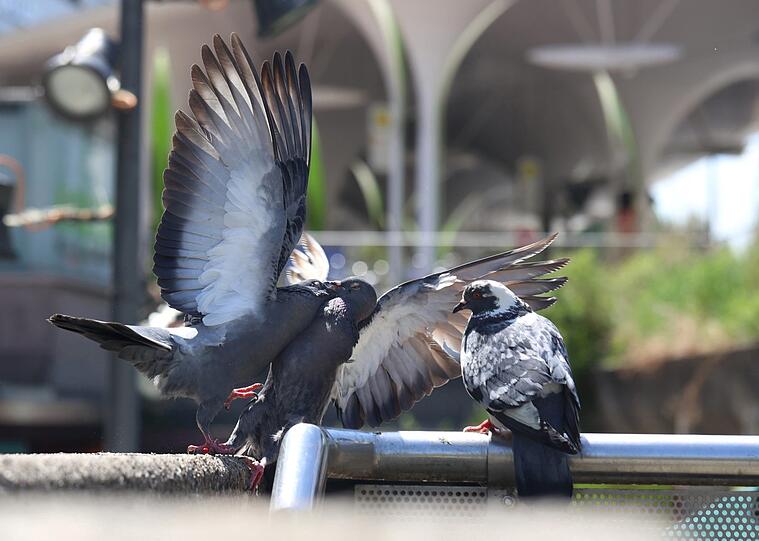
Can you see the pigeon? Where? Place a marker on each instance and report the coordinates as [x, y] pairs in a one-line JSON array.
[[410, 343], [299, 385], [514, 363], [235, 205]]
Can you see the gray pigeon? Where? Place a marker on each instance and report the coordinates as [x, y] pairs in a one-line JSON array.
[[235, 198], [410, 343], [299, 386], [514, 363]]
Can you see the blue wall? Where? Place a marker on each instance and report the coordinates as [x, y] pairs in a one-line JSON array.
[[66, 164]]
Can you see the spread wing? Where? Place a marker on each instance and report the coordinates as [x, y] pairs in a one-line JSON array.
[[307, 262], [235, 187], [411, 343]]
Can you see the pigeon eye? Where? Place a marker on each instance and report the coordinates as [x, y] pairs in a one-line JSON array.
[[476, 295], [355, 286]]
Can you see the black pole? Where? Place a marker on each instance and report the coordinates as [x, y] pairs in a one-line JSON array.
[[123, 411]]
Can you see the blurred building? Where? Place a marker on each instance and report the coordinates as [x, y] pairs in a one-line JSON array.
[[479, 116]]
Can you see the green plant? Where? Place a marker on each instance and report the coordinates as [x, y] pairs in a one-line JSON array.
[[660, 303], [370, 191], [161, 127], [316, 196], [583, 311]]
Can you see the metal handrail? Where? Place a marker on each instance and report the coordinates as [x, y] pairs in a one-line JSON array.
[[310, 454], [491, 239]]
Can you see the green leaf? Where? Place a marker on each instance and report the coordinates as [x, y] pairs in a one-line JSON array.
[[161, 126], [618, 125], [370, 190], [316, 196]]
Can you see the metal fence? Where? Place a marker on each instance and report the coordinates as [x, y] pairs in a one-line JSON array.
[[701, 487]]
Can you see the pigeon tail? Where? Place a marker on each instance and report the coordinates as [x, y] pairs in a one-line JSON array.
[[541, 471], [540, 455], [147, 348]]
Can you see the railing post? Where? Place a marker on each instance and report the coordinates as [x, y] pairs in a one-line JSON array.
[[301, 469]]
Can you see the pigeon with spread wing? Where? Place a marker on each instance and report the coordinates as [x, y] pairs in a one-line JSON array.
[[410, 343], [235, 204]]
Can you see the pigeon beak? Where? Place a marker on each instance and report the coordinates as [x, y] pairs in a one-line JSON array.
[[460, 306]]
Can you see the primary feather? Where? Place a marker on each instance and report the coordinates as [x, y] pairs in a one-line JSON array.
[[235, 188]]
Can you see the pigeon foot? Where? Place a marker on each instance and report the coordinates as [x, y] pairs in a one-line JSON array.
[[485, 427], [211, 447], [242, 392], [256, 472]]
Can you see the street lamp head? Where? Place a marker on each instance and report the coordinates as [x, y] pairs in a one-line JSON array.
[[80, 81]]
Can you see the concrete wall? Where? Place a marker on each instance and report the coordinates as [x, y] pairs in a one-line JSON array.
[[706, 394], [33, 352]]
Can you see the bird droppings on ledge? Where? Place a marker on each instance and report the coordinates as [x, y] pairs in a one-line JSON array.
[[124, 472]]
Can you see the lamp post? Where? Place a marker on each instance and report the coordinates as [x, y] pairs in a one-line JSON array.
[[80, 84], [123, 411]]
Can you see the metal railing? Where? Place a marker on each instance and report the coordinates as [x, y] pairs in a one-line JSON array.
[[499, 240], [310, 455]]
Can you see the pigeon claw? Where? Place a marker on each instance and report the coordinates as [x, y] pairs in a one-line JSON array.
[[242, 392], [256, 472], [211, 447], [485, 427]]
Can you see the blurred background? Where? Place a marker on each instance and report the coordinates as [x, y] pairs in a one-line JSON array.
[[445, 131]]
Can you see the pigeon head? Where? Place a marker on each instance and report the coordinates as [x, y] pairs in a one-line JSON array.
[[319, 288], [488, 296], [359, 295]]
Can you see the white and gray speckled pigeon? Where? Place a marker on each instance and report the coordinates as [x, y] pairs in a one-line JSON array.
[[299, 386], [235, 196], [410, 343], [514, 363]]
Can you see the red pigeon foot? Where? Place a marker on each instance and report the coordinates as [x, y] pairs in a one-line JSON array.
[[485, 427], [256, 471], [211, 447], [242, 392]]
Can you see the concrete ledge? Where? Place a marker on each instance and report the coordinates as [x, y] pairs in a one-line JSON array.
[[113, 472]]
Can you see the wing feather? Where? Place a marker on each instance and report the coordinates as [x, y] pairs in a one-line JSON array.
[[292, 123], [525, 288], [414, 338], [234, 192], [307, 262]]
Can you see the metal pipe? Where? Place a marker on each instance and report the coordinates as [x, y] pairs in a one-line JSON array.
[[301, 469], [668, 459], [456, 457], [452, 457], [500, 239], [310, 454], [122, 420]]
